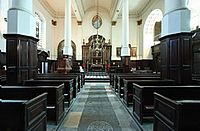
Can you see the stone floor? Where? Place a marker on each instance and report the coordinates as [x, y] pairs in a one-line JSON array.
[[97, 108]]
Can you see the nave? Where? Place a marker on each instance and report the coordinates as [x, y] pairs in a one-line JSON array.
[[97, 108]]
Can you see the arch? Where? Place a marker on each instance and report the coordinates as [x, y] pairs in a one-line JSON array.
[[148, 32], [60, 49], [41, 29]]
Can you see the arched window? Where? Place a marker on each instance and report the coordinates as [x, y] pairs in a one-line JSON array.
[[195, 14], [148, 37], [40, 30]]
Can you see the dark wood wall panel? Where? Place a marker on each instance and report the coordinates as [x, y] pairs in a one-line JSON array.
[[23, 53], [186, 55], [174, 52], [176, 57], [21, 58], [164, 51]]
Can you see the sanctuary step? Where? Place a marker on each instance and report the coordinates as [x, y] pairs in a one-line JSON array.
[[97, 77]]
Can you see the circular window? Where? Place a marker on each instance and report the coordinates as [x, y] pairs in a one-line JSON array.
[[96, 21]]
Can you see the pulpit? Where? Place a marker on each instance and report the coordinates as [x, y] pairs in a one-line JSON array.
[[63, 66]]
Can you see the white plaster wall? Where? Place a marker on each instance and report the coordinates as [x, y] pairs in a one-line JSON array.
[[76, 35], [50, 29], [117, 36], [4, 5], [155, 4], [84, 31], [59, 34], [89, 30], [55, 34]]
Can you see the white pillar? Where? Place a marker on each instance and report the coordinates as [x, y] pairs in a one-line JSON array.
[[21, 19], [125, 29], [67, 36], [176, 18]]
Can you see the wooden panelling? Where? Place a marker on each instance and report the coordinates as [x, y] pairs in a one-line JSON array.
[[176, 58], [21, 58]]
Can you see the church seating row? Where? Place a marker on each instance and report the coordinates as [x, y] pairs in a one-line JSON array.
[[79, 77], [67, 87], [121, 86], [55, 98], [74, 84], [128, 86], [143, 100], [141, 92], [60, 89], [125, 90], [23, 113], [178, 111], [114, 77]]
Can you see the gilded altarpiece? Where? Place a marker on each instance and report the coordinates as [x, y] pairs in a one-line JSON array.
[[96, 54]]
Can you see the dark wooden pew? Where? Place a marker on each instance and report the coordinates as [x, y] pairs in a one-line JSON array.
[[120, 82], [80, 77], [143, 98], [27, 114], [115, 77], [68, 88], [77, 76], [74, 85], [177, 112], [128, 87], [55, 97]]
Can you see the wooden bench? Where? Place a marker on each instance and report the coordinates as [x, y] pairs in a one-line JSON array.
[[143, 98], [25, 114], [116, 79], [122, 88], [68, 88], [177, 112], [121, 81], [128, 87], [77, 79], [55, 97], [74, 85]]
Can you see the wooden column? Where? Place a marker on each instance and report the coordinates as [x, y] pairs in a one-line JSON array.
[[21, 59], [176, 57]]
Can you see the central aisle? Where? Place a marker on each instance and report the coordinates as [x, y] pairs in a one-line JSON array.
[[97, 108]]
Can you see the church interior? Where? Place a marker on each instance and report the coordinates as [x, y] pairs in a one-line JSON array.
[[99, 65]]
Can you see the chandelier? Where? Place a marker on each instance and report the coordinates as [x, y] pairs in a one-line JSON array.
[[97, 22]]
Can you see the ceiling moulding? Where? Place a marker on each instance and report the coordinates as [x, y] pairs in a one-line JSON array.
[[148, 5], [51, 11], [113, 8], [130, 16], [101, 9], [45, 4], [76, 10], [116, 10], [80, 7]]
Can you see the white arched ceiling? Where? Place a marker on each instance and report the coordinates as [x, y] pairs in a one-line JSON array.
[[148, 39], [57, 7]]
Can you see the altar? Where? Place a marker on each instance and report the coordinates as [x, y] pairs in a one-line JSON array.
[[96, 68], [96, 53]]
